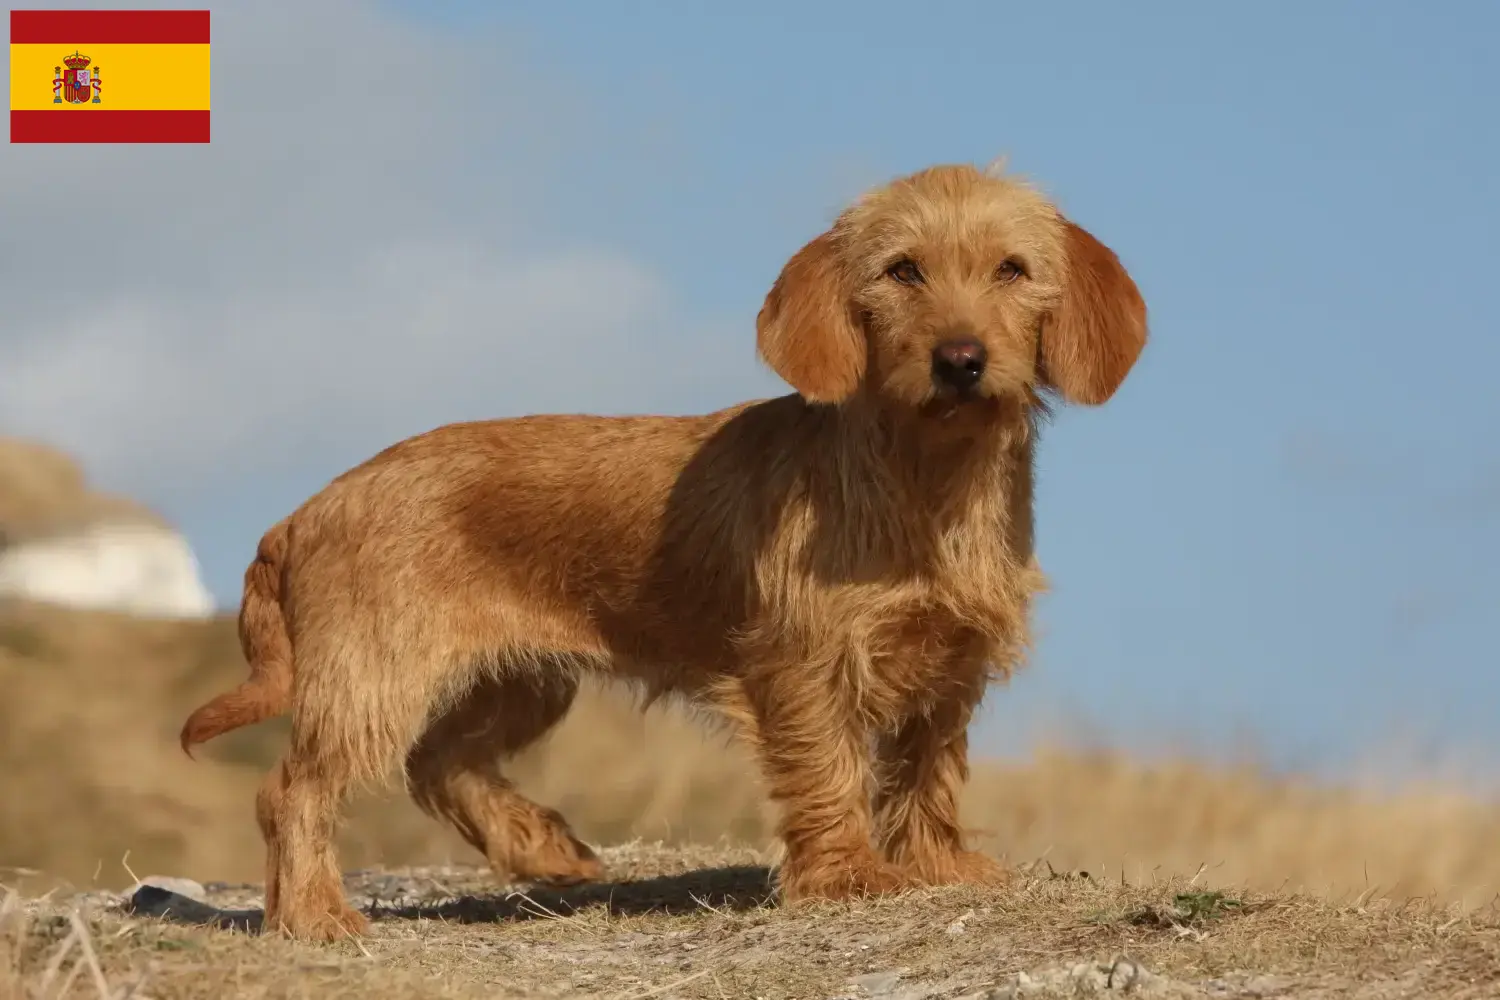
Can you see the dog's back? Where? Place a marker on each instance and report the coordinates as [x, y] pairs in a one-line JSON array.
[[607, 540]]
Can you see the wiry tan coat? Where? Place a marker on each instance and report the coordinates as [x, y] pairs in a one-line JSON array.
[[840, 572]]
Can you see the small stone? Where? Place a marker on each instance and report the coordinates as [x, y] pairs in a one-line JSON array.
[[1123, 975], [877, 984], [957, 926]]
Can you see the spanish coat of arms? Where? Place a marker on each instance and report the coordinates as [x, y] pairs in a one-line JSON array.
[[78, 84]]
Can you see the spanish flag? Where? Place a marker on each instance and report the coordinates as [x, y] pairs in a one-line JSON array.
[[109, 76]]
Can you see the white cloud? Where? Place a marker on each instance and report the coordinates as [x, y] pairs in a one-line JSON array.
[[359, 254]]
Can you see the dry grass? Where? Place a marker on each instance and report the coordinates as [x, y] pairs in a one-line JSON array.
[[695, 923], [90, 772]]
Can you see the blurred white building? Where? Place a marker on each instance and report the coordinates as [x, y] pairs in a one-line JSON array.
[[62, 543]]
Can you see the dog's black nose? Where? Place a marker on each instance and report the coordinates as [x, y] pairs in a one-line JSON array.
[[958, 364]]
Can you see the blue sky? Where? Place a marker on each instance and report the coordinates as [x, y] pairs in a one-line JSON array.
[[1282, 532]]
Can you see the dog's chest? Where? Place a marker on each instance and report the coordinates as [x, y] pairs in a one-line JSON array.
[[906, 659], [920, 641]]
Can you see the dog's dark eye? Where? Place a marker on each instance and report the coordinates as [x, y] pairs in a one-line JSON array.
[[905, 271], [1009, 271]]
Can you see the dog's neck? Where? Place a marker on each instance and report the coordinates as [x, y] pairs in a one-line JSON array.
[[894, 493], [943, 460]]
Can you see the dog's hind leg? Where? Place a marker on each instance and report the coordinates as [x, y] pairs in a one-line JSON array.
[[342, 733], [453, 774], [298, 810]]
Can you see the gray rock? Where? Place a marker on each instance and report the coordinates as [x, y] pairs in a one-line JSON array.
[[877, 984], [1086, 979], [889, 985], [957, 926]]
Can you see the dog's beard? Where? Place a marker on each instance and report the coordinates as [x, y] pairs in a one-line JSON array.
[[969, 404], [939, 405]]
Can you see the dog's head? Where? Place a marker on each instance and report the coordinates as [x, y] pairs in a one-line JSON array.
[[953, 290]]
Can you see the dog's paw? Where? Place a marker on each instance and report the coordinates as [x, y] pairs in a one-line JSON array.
[[325, 926], [974, 868], [841, 879], [957, 868], [564, 861]]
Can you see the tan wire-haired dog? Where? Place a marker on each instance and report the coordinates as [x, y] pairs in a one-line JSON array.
[[840, 571]]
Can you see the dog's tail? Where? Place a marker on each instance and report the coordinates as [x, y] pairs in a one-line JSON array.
[[267, 693]]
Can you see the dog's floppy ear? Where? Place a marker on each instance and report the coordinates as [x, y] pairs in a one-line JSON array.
[[1097, 331], [806, 330]]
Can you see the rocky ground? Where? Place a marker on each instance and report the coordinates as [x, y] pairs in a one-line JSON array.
[[702, 923]]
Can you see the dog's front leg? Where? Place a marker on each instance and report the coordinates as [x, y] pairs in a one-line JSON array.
[[815, 757], [922, 767]]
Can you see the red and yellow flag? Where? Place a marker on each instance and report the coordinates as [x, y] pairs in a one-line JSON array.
[[109, 76]]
